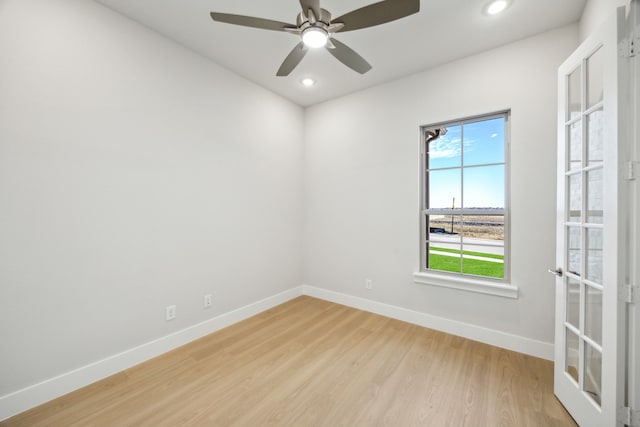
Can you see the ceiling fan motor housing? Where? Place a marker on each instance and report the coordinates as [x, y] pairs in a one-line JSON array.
[[306, 20]]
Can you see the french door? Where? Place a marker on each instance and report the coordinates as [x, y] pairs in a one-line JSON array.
[[590, 316]]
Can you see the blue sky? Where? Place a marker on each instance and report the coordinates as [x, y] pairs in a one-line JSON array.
[[474, 144]]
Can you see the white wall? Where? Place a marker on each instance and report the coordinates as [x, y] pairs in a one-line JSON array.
[[595, 12], [362, 184], [134, 174]]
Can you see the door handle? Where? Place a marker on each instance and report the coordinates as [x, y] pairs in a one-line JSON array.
[[557, 272]]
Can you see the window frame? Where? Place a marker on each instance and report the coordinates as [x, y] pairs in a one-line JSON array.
[[458, 280]]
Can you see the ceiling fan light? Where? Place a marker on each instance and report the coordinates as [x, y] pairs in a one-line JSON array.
[[315, 37]]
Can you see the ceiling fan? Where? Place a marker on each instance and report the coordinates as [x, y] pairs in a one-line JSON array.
[[316, 28]]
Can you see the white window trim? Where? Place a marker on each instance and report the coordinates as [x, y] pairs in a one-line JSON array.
[[466, 283], [500, 287]]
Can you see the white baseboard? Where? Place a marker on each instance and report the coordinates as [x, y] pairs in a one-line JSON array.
[[512, 342], [32, 396]]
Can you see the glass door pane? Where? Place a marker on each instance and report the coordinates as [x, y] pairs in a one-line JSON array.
[[595, 78], [593, 373], [574, 107]]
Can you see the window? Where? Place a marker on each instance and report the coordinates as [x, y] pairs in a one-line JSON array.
[[464, 206]]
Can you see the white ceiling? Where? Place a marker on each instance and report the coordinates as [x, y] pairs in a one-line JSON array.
[[443, 30]]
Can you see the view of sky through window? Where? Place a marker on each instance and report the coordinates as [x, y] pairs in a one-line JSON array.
[[473, 155]]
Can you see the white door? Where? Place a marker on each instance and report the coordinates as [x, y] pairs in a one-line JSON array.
[[590, 318]]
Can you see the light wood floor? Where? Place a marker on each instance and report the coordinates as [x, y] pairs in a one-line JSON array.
[[313, 363]]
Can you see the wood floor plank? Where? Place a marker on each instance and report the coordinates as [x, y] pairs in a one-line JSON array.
[[310, 362]]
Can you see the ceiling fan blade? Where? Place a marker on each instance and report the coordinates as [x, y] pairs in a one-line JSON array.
[[349, 57], [310, 4], [378, 13], [292, 60], [250, 21]]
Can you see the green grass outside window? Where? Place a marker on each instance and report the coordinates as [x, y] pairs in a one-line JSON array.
[[469, 266]]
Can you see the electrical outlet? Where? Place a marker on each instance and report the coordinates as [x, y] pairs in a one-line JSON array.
[[170, 312], [208, 300], [368, 284]]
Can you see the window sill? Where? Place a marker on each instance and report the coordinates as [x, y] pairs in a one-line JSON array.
[[505, 290]]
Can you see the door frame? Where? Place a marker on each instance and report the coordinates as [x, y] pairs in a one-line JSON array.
[[633, 195]]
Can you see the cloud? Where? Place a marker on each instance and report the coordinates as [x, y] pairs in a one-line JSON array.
[[445, 148]]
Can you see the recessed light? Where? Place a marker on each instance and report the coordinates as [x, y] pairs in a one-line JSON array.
[[308, 81], [496, 7]]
